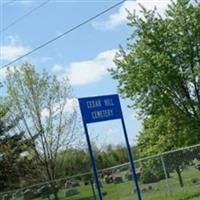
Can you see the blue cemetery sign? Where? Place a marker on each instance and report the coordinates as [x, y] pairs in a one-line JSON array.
[[103, 108]]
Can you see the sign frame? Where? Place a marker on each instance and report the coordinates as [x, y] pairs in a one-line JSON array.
[[104, 108]]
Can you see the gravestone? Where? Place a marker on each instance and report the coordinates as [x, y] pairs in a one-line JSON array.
[[128, 176], [68, 184], [108, 179], [75, 184], [18, 194], [6, 197], [118, 179], [71, 192], [150, 188], [45, 191], [70, 189], [28, 195]]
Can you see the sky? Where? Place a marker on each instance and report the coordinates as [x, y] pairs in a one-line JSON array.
[[83, 55]]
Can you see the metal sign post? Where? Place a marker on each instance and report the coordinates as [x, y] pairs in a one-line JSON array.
[[93, 163], [103, 108], [134, 175]]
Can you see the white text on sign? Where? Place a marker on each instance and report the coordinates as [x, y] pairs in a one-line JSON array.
[[97, 103], [102, 114]]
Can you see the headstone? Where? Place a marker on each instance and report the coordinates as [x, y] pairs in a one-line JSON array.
[[195, 180], [144, 189], [6, 197], [13, 197], [118, 179], [108, 179], [18, 194], [71, 192], [28, 194], [128, 176], [150, 187], [68, 184], [45, 191], [75, 184]]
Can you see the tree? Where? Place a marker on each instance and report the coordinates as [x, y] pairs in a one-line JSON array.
[[164, 133], [151, 171], [48, 114], [160, 73], [12, 145], [160, 70], [73, 161]]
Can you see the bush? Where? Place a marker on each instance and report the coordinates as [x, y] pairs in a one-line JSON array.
[[151, 171]]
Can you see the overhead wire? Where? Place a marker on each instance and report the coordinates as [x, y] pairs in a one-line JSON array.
[[9, 2], [24, 16], [64, 33]]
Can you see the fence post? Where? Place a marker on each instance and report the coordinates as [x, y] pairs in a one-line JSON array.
[[166, 175]]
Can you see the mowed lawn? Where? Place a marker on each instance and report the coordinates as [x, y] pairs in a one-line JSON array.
[[124, 192], [158, 191]]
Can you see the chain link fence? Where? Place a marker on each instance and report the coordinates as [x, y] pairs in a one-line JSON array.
[[166, 176]]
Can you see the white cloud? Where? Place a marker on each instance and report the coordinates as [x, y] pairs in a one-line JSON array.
[[12, 50], [85, 72], [25, 2], [57, 68], [69, 106], [120, 16]]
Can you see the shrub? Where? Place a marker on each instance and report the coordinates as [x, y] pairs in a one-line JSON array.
[[151, 171]]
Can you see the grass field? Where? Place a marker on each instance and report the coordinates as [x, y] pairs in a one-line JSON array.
[[124, 191]]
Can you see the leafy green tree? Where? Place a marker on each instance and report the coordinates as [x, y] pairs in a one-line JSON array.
[[48, 115], [160, 73], [164, 133], [73, 161], [151, 171], [161, 68]]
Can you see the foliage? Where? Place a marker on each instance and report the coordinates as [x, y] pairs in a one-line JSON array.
[[151, 171], [160, 73], [12, 145], [164, 133], [48, 114], [160, 70], [72, 161]]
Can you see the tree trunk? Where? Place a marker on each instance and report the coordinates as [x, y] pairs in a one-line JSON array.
[[55, 191], [179, 177], [168, 174]]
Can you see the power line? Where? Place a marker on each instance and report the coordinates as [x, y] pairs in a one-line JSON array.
[[7, 3], [23, 16], [65, 33]]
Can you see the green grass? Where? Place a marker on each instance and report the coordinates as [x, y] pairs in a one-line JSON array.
[[124, 191]]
